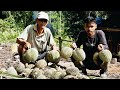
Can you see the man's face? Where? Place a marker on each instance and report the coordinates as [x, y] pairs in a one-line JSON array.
[[42, 23], [90, 28]]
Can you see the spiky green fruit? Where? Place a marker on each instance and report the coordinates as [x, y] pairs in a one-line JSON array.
[[105, 55], [26, 72], [41, 76], [41, 64], [72, 71], [79, 54], [66, 52], [58, 75], [31, 55], [53, 56], [20, 67], [31, 66], [70, 77], [36, 72], [49, 72]]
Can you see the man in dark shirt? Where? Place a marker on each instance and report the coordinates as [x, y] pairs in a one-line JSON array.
[[93, 41]]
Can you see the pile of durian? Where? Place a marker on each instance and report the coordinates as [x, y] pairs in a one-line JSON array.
[[40, 70], [48, 68]]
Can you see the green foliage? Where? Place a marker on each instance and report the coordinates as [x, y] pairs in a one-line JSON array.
[[66, 24], [22, 18], [74, 20], [56, 19], [8, 30], [12, 26], [66, 40]]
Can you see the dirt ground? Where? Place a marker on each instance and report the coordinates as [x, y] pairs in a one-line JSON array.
[[6, 60]]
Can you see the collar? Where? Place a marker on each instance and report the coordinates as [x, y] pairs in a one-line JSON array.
[[35, 28]]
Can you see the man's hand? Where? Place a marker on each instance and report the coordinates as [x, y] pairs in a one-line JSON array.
[[100, 47], [55, 48], [27, 45], [73, 45]]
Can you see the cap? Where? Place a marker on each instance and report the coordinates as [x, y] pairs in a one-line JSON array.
[[42, 15]]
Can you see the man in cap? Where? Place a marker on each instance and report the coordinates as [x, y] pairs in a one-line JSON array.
[[36, 36]]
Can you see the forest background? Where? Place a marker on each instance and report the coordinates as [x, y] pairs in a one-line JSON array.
[[64, 24]]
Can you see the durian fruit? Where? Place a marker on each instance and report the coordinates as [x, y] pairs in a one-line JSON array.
[[66, 52], [36, 72], [41, 64], [79, 54], [95, 57], [30, 55], [41, 76], [26, 72], [49, 72], [70, 77], [19, 67], [53, 56], [14, 48], [72, 71], [31, 66], [62, 70], [57, 75], [11, 70], [105, 55], [82, 76]]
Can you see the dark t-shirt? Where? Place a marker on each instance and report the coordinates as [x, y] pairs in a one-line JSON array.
[[90, 44]]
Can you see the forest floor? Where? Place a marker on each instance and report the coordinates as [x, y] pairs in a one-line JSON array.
[[7, 60]]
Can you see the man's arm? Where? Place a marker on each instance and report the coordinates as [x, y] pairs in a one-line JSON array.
[[24, 43], [51, 41], [78, 41], [22, 38], [21, 41], [103, 40], [80, 38]]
